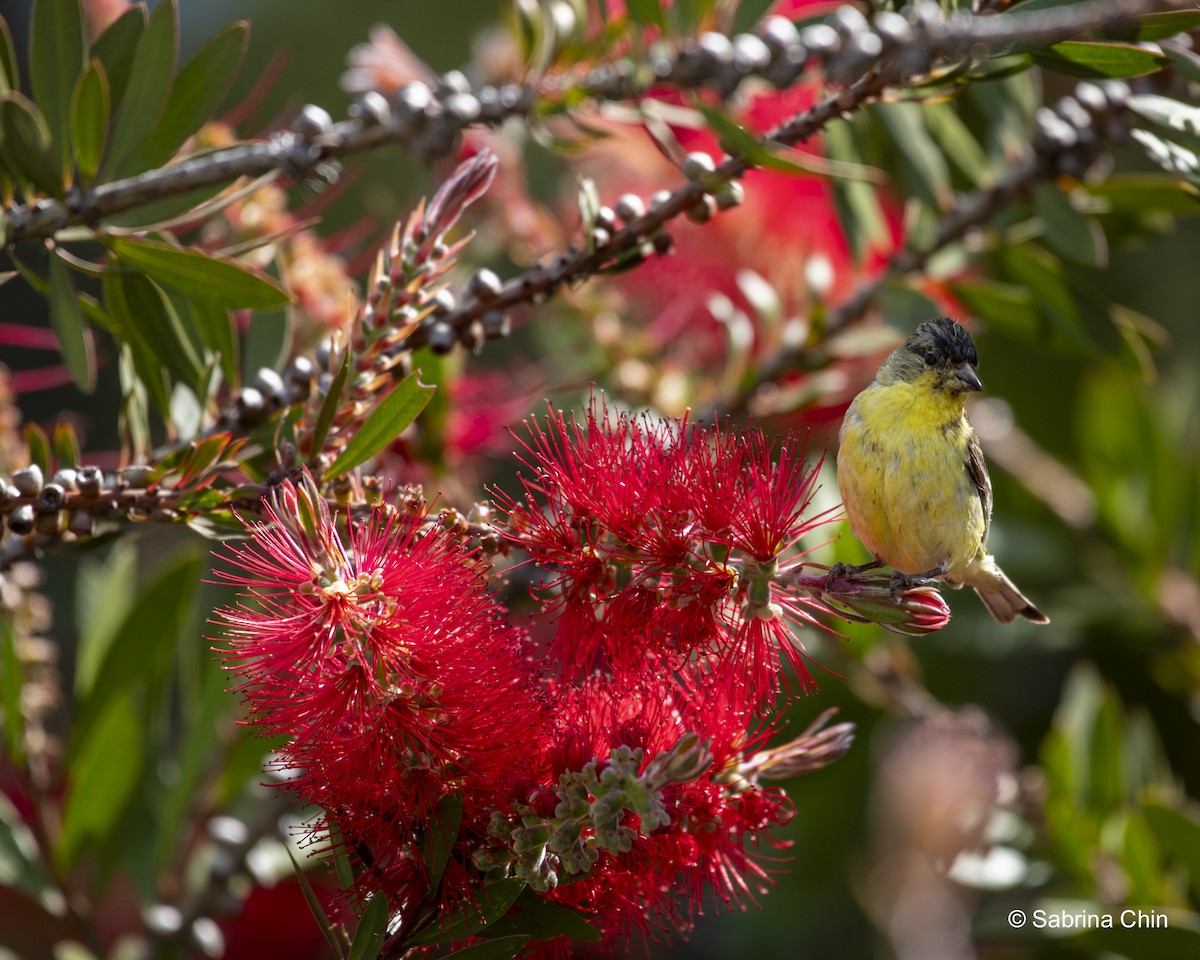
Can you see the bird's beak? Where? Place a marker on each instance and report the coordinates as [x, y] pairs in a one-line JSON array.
[[965, 378]]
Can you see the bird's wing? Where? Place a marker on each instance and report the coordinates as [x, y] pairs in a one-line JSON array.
[[979, 476]]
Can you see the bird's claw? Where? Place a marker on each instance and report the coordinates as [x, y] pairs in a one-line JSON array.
[[840, 571], [902, 582]]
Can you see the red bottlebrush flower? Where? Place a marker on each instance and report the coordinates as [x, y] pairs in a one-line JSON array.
[[391, 670], [662, 541]]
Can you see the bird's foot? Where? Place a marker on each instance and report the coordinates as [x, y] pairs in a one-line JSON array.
[[840, 571], [901, 582]]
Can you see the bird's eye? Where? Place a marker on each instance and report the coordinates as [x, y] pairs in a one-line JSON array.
[[931, 358]]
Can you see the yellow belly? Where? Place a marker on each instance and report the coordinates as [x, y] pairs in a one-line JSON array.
[[904, 482]]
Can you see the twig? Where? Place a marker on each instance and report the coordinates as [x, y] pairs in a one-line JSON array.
[[427, 124]]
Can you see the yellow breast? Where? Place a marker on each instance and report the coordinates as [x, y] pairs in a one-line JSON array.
[[903, 478]]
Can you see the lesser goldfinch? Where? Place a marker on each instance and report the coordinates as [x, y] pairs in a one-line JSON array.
[[911, 471]]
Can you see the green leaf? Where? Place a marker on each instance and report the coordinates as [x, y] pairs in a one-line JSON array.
[[314, 906], [1068, 232], [66, 445], [1081, 58], [441, 836], [105, 590], [1160, 26], [536, 917], [67, 320], [1179, 940], [215, 326], [55, 61], [148, 88], [398, 409], [646, 12], [141, 650], [89, 119], [115, 47], [1140, 192], [957, 143], [38, 446], [488, 906], [372, 928], [856, 202], [1042, 274], [145, 313], [196, 93], [1184, 61], [1003, 305], [266, 342], [504, 948], [1177, 827], [1183, 120], [25, 145], [200, 275], [10, 77], [12, 679], [20, 865], [1169, 155], [329, 406], [101, 776], [922, 167]]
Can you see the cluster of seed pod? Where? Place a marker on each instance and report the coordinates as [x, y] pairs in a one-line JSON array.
[[1072, 135]]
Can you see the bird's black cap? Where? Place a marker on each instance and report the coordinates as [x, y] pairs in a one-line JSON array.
[[949, 340]]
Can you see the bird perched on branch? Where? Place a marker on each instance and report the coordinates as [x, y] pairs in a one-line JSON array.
[[912, 476]]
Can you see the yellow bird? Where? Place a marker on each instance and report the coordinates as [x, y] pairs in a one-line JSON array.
[[911, 471]]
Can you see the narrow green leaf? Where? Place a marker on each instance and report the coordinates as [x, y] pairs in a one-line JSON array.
[[314, 905], [1081, 58], [215, 327], [536, 917], [1177, 827], [922, 167], [67, 320], [646, 12], [200, 275], [1172, 157], [105, 589], [1004, 305], [502, 948], [1182, 119], [147, 315], [55, 63], [196, 93], [958, 144], [372, 928], [856, 202], [489, 905], [398, 409], [1068, 232], [12, 679], [25, 146], [10, 78], [1184, 61], [141, 650], [266, 342], [115, 47], [1178, 939], [329, 407], [441, 836], [1160, 26], [1042, 274], [89, 119], [1141, 192], [66, 445], [38, 445], [148, 88], [20, 864], [101, 776]]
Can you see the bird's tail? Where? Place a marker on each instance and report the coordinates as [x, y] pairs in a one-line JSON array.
[[1001, 596]]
